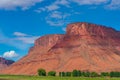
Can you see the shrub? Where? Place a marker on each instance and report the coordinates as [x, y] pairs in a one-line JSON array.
[[41, 72], [94, 74], [52, 73], [68, 74], [114, 74], [87, 74], [63, 74], [75, 73], [104, 74], [83, 74], [60, 74], [79, 73]]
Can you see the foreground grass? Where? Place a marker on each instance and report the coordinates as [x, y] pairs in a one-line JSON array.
[[16, 77]]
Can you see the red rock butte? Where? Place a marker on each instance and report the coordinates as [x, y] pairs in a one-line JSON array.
[[85, 47]]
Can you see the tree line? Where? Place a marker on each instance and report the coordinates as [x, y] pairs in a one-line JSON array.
[[78, 73]]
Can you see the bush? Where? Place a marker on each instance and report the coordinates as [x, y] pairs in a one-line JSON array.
[[41, 72], [79, 73], [63, 74], [68, 74], [104, 74], [60, 74], [94, 74], [75, 73], [114, 74], [52, 73], [87, 74]]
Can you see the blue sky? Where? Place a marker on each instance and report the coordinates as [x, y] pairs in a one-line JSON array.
[[23, 21]]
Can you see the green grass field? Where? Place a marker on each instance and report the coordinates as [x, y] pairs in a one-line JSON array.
[[15, 77]]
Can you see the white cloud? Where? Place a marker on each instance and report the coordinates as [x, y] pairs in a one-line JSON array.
[[115, 4], [12, 4], [90, 2], [20, 34], [57, 18], [57, 23], [10, 54], [40, 10], [27, 40], [62, 2], [20, 42], [56, 14], [54, 6]]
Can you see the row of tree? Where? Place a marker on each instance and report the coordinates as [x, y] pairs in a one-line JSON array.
[[42, 72], [78, 73]]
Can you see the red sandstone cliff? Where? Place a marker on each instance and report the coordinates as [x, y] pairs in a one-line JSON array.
[[85, 46]]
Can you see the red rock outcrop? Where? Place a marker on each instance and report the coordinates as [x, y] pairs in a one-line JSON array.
[[85, 46]]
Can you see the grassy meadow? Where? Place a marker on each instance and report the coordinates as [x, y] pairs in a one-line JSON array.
[[20, 77]]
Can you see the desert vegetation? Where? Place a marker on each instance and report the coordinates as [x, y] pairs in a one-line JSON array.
[[78, 73], [41, 72], [73, 75], [22, 77]]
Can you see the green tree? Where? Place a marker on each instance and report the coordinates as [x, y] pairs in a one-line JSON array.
[[63, 74], [83, 74], [60, 74], [68, 74], [41, 72], [94, 74], [114, 74], [104, 74], [87, 74], [52, 73], [75, 73], [79, 73]]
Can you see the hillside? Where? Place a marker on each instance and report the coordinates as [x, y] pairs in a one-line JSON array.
[[85, 46], [4, 63]]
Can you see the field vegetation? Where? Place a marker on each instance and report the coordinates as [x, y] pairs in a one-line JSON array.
[[74, 75]]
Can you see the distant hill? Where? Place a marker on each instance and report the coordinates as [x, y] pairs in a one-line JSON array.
[[5, 63], [85, 47]]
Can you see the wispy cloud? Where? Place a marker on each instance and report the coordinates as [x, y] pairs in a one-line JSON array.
[[57, 18], [54, 6], [13, 4], [18, 41], [115, 4], [25, 38], [20, 34], [90, 2]]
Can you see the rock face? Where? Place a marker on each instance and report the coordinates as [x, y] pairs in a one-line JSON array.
[[5, 63], [85, 47]]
